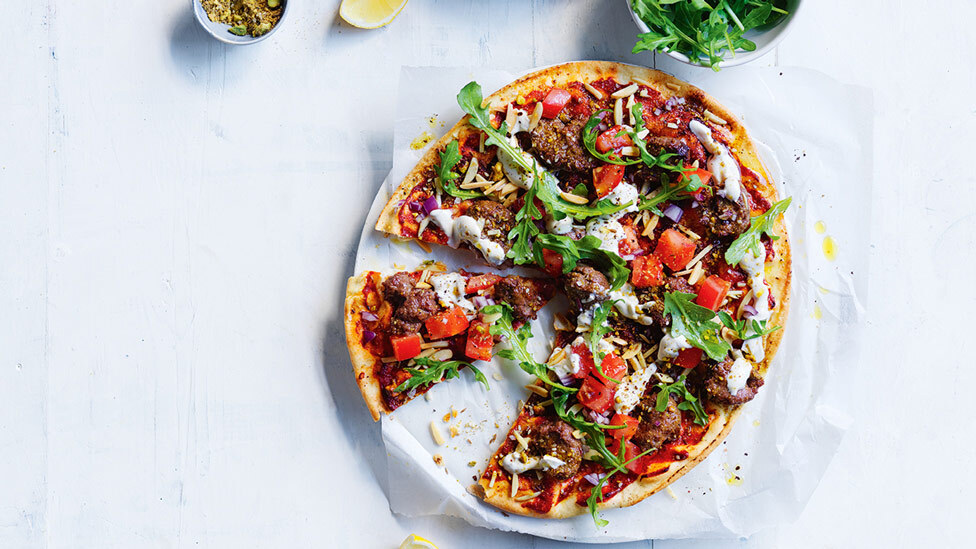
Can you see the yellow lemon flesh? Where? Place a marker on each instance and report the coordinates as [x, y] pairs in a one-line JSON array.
[[414, 541], [370, 14]]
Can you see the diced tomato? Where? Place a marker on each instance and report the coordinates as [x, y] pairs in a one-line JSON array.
[[636, 466], [646, 271], [674, 249], [614, 370], [480, 342], [446, 324], [630, 243], [553, 262], [554, 102], [585, 360], [595, 395], [613, 139], [688, 358], [689, 171], [481, 282], [606, 178], [713, 292], [406, 347], [732, 274], [629, 423]]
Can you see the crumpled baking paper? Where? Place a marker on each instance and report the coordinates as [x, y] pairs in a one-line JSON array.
[[815, 137]]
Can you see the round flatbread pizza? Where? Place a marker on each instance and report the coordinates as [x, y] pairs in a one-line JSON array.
[[644, 202]]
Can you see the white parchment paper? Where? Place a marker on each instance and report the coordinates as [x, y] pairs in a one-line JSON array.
[[816, 139]]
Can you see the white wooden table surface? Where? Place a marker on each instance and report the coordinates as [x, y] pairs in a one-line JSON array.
[[173, 254]]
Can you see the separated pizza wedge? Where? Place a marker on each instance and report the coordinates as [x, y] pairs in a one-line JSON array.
[[408, 331]]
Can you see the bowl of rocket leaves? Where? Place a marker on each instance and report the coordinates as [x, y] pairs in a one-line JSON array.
[[712, 33]]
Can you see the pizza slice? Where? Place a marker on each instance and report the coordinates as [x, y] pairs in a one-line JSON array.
[[408, 331]]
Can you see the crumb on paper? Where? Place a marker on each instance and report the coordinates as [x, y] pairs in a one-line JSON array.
[[421, 141], [671, 493], [472, 463], [755, 423], [497, 376], [438, 459], [454, 431]]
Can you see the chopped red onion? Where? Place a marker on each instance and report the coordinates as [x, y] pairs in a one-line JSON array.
[[673, 213], [749, 310], [594, 478], [415, 205], [628, 257], [479, 301], [368, 335], [489, 301], [565, 380], [694, 203], [430, 205], [368, 315]]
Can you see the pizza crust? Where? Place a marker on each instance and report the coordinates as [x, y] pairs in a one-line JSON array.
[[363, 361]]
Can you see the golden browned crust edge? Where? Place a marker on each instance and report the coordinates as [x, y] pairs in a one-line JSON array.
[[779, 273], [363, 361]]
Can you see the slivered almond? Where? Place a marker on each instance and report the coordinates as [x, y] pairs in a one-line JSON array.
[[630, 113], [444, 354], [510, 199], [423, 225], [696, 274], [629, 151], [427, 352], [472, 171], [558, 354], [625, 92], [523, 442], [709, 115], [510, 117], [643, 93], [423, 285], [672, 125], [481, 179], [616, 341], [388, 360], [575, 408], [630, 353], [536, 116], [618, 112], [672, 86], [494, 475], [475, 184], [561, 323], [643, 133], [527, 497], [650, 225], [699, 257], [515, 484], [745, 301], [573, 198], [691, 234], [642, 82], [481, 143], [578, 435], [541, 391], [593, 91], [634, 363], [434, 344], [435, 432]]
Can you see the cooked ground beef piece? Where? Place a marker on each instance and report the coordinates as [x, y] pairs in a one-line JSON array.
[[498, 219], [559, 144], [656, 428], [727, 218], [411, 305], [717, 385], [585, 285], [521, 294], [656, 294], [555, 438]]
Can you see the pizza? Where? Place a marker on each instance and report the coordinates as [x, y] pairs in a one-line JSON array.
[[408, 331], [643, 201]]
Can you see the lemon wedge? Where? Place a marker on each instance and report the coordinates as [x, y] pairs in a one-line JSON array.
[[414, 541], [370, 14]]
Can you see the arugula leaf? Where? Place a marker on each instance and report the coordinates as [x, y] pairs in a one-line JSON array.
[[746, 329], [668, 192], [436, 371], [590, 133], [548, 191], [687, 401], [525, 228], [518, 341], [450, 157], [599, 328], [587, 248], [703, 32], [751, 240], [695, 323]]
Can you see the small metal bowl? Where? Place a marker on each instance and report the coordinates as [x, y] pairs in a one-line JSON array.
[[219, 30]]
